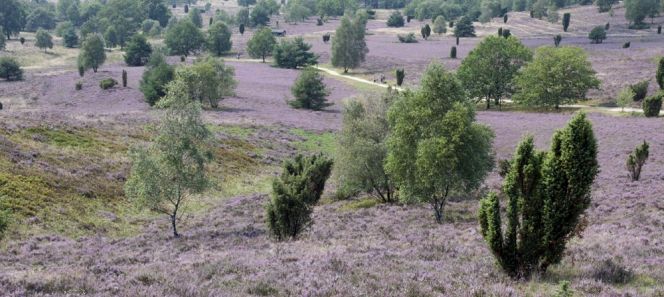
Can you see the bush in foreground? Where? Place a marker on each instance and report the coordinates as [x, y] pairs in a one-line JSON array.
[[637, 159], [309, 91], [10, 70], [295, 193], [548, 193], [652, 105]]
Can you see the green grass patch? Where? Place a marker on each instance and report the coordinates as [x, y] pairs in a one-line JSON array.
[[324, 142], [362, 203]]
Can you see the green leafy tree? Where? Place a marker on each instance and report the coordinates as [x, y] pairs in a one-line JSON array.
[[111, 37], [260, 16], [637, 159], [137, 51], [435, 148], [597, 34], [208, 80], [464, 28], [362, 148], [43, 40], [659, 76], [63, 7], [184, 38], [40, 18], [125, 16], [172, 170], [556, 76], [70, 38], [625, 96], [297, 11], [243, 19], [293, 54], [156, 10], [12, 17], [440, 25], [488, 71], [652, 104], [395, 19], [637, 10], [92, 54], [348, 45], [294, 195], [219, 39], [309, 91], [195, 17], [157, 75], [548, 193], [261, 44], [10, 70]]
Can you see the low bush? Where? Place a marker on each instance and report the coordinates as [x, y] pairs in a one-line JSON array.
[[637, 159], [557, 39], [79, 86], [10, 70], [395, 20], [640, 90], [107, 83], [453, 52], [407, 38], [611, 272], [400, 74], [504, 166], [652, 105], [597, 34], [627, 44], [309, 91]]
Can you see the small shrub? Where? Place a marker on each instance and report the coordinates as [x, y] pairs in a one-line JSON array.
[[400, 74], [566, 18], [659, 29], [107, 83], [22, 40], [640, 90], [505, 18], [319, 22], [182, 59], [507, 33], [557, 39], [124, 78], [597, 35], [504, 167], [611, 272], [637, 159], [425, 31], [457, 40], [81, 71], [395, 20], [326, 37], [624, 97], [607, 26], [453, 52], [309, 91], [500, 31], [652, 105], [407, 38], [627, 44], [10, 70], [186, 8], [79, 86], [659, 75]]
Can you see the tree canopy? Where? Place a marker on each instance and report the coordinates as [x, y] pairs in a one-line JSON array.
[[184, 38], [92, 54], [348, 45], [261, 43]]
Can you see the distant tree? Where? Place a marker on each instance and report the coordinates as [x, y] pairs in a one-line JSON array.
[[70, 39], [557, 39], [241, 29], [261, 43], [400, 75], [13, 17], [464, 28], [348, 46], [637, 159], [195, 17], [63, 7], [435, 148], [156, 10], [362, 147], [659, 76], [555, 76], [243, 18], [489, 69], [539, 9], [184, 38], [395, 19], [297, 11], [10, 70], [111, 37], [425, 31], [157, 75], [294, 194], [137, 51], [125, 16], [625, 96], [548, 194], [604, 5], [40, 18], [246, 3], [293, 54], [172, 169], [439, 25], [208, 80], [309, 91], [219, 39], [92, 54], [597, 35], [43, 40], [260, 16], [566, 18], [637, 10]]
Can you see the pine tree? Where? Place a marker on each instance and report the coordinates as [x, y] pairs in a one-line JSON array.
[[548, 193], [348, 46]]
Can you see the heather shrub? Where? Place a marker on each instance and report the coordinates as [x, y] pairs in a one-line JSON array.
[[362, 147], [652, 105], [453, 52], [637, 159], [407, 38], [78, 86], [107, 83], [400, 75], [640, 90], [611, 272], [309, 91], [548, 193], [10, 70], [395, 20], [295, 193]]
